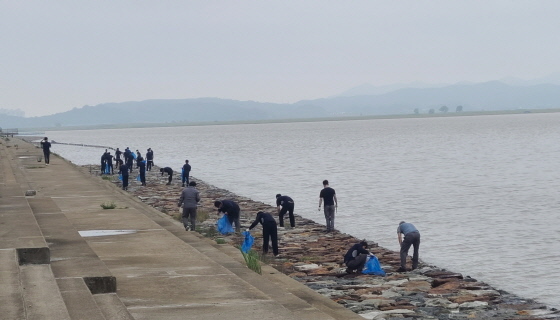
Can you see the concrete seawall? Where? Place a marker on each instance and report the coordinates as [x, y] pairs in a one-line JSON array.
[[62, 256]]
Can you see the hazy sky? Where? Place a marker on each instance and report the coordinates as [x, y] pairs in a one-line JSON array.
[[57, 55]]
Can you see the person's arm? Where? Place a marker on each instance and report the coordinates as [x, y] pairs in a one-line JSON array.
[[335, 201], [197, 196], [181, 199], [254, 224], [362, 250], [320, 202], [400, 238]]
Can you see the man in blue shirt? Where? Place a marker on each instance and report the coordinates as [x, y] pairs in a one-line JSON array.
[[411, 237]]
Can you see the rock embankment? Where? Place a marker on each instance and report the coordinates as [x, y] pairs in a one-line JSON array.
[[314, 258]]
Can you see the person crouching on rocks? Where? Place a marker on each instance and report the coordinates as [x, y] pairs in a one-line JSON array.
[[169, 171], [270, 231], [356, 257]]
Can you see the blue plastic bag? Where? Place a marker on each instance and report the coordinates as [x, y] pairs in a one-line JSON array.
[[138, 178], [133, 155], [107, 169], [373, 267], [224, 227], [120, 176], [247, 242]]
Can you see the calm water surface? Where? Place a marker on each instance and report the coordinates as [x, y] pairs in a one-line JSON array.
[[483, 191]]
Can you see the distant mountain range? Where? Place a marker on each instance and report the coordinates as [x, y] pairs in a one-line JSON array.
[[360, 101]]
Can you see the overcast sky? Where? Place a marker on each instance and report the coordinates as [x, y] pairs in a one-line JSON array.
[[58, 55]]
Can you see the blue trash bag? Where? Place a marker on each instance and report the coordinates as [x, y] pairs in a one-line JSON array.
[[373, 267], [133, 155], [120, 176], [247, 242], [107, 169], [224, 227], [138, 178]]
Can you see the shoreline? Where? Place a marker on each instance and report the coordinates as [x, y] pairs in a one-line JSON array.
[[314, 258], [290, 120]]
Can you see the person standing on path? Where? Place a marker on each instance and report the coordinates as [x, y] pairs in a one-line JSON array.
[[356, 257], [328, 196], [231, 209], [46, 146], [285, 204], [169, 171], [128, 158], [124, 173], [150, 159], [270, 231], [185, 173], [411, 237], [190, 197], [118, 154], [142, 169]]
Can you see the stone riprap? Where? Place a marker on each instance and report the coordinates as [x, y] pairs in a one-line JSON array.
[[315, 258]]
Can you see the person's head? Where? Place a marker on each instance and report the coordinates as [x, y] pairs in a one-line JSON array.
[[364, 243], [192, 184], [325, 182], [217, 203], [278, 196], [161, 170], [117, 149], [401, 222], [187, 161], [260, 212], [46, 139]]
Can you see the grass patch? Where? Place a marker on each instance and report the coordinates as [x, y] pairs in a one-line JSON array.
[[202, 215], [252, 260], [107, 178], [220, 241], [108, 205]]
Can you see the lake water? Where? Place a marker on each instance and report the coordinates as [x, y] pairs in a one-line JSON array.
[[482, 190]]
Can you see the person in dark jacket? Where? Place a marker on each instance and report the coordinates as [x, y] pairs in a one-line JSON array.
[[149, 159], [190, 197], [46, 146], [142, 169], [124, 172], [270, 231], [285, 204], [355, 258], [231, 209], [169, 171], [128, 158], [185, 174]]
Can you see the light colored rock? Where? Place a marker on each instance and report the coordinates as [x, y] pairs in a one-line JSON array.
[[390, 294], [473, 304], [441, 302], [30, 193], [307, 267], [371, 315]]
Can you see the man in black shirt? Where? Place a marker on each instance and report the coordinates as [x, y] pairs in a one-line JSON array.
[[46, 146], [328, 195], [269, 231], [355, 258], [150, 159], [231, 209], [169, 171], [285, 204], [185, 173]]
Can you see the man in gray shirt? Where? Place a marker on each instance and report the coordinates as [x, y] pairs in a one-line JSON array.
[[189, 199], [411, 237]]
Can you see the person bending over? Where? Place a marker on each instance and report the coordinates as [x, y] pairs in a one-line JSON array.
[[356, 257], [285, 204], [169, 171], [411, 237], [231, 209], [270, 231]]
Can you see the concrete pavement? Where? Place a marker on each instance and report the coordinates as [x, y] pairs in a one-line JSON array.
[[132, 262]]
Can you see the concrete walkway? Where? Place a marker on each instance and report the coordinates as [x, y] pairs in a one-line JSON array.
[[64, 257]]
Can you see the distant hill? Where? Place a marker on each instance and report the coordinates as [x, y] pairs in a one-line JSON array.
[[488, 96]]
